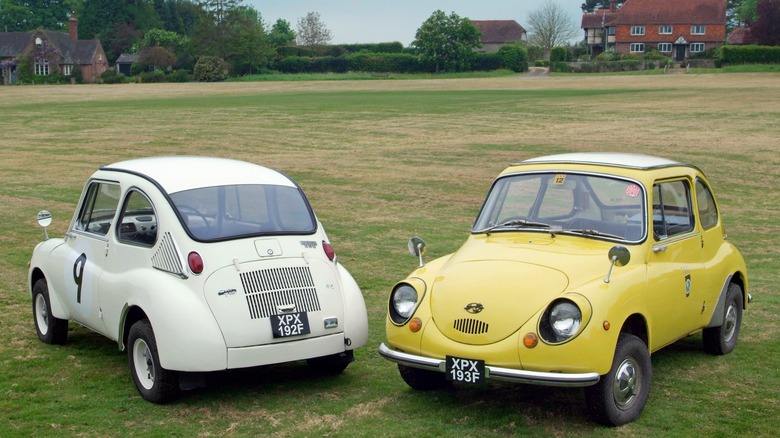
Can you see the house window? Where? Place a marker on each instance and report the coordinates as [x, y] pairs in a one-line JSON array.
[[67, 69], [665, 47], [637, 47], [697, 47], [611, 30], [637, 30], [42, 67], [698, 30], [665, 30]]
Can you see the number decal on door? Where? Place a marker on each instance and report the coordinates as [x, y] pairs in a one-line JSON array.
[[78, 274]]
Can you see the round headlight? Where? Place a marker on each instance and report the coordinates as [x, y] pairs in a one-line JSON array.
[[565, 319], [403, 301]]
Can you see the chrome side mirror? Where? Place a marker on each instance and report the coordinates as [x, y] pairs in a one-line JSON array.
[[44, 220], [417, 248], [618, 256]]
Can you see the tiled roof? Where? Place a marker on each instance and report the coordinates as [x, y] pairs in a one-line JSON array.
[[740, 35], [672, 12], [128, 58], [13, 43], [499, 31], [598, 18], [73, 52]]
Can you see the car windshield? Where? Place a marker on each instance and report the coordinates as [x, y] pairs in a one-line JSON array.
[[227, 212], [568, 203]]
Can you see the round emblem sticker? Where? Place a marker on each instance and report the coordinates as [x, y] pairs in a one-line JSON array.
[[633, 190]]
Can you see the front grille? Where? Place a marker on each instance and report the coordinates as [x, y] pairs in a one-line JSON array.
[[471, 326], [267, 289]]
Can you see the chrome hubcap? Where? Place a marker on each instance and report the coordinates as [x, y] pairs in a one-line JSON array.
[[730, 324], [627, 383]]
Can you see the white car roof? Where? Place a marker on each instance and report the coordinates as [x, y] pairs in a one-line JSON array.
[[635, 161], [178, 173]]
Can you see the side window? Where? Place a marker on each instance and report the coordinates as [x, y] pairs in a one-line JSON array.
[[671, 209], [708, 211], [137, 223], [98, 208]]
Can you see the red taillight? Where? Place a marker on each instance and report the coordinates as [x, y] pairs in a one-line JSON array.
[[196, 262], [329, 251]]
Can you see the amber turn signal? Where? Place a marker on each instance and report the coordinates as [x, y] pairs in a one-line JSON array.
[[606, 325], [415, 325], [530, 340]]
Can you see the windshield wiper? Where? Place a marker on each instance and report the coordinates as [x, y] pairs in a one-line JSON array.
[[591, 233], [518, 223]]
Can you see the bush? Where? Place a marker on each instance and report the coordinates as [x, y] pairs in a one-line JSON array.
[[513, 57], [111, 76], [211, 69], [149, 77], [486, 62], [178, 76], [750, 54], [558, 54]]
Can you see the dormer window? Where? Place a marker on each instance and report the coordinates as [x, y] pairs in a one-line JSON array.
[[38, 41]]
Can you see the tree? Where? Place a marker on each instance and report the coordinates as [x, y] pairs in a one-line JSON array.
[[26, 15], [447, 41], [248, 48], [551, 26], [766, 28], [281, 34], [312, 31], [592, 5]]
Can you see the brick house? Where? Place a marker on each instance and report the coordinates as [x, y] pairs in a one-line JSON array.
[[496, 33], [673, 27], [51, 51]]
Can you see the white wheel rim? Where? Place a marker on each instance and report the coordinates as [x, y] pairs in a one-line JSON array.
[[143, 363], [41, 314]]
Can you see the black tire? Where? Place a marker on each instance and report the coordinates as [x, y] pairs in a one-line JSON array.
[[722, 339], [154, 383], [51, 330], [422, 380], [333, 364], [621, 395]]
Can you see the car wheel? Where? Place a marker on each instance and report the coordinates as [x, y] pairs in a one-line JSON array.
[[51, 330], [723, 339], [333, 364], [422, 380], [154, 383], [620, 396]]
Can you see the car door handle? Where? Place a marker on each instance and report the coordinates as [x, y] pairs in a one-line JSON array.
[[661, 248]]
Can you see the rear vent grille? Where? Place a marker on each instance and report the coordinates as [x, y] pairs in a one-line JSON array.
[[167, 257], [268, 289], [471, 326]]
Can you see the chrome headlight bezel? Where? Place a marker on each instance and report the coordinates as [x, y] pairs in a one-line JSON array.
[[561, 322], [403, 302]]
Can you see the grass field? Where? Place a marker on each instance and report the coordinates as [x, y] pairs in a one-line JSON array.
[[381, 161]]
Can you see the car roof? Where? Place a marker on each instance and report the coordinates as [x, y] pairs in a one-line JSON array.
[[625, 160], [178, 173]]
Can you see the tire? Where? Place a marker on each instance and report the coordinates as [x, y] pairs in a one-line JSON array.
[[51, 330], [722, 339], [621, 395], [422, 380], [333, 364], [154, 383]]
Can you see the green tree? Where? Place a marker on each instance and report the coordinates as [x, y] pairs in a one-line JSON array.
[[213, 32], [448, 42], [281, 34], [26, 15], [312, 31], [592, 5], [249, 49], [551, 26], [513, 57]]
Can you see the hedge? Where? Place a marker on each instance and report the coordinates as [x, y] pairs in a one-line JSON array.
[[750, 54]]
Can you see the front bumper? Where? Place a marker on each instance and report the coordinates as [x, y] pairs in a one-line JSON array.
[[497, 373]]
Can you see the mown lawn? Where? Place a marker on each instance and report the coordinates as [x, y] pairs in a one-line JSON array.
[[382, 161]]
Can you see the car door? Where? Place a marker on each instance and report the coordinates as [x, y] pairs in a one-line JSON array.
[[84, 251], [676, 280]]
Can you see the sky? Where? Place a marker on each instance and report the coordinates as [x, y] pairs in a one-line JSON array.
[[380, 21]]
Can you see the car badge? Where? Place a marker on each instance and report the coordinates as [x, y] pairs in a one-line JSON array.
[[474, 308]]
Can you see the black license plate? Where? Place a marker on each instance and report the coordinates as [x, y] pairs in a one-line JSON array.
[[463, 370], [290, 324]]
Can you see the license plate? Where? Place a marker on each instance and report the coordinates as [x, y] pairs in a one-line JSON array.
[[463, 370], [290, 324]]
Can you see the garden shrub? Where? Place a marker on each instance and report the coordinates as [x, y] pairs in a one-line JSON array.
[[513, 57], [211, 69], [111, 76]]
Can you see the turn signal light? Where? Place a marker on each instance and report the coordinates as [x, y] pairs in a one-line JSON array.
[[415, 325], [530, 340], [329, 251], [196, 262]]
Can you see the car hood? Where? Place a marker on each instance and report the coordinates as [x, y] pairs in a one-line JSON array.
[[494, 285]]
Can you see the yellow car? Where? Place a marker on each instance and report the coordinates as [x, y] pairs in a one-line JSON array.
[[578, 267]]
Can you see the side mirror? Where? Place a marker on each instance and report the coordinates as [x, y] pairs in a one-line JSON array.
[[417, 248], [44, 220], [618, 256]]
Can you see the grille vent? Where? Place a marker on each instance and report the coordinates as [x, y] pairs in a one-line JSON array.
[[268, 288], [167, 257], [471, 326]]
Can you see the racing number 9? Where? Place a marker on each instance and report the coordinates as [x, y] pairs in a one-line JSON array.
[[78, 274]]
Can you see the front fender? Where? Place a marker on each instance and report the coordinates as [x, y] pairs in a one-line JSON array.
[[39, 265]]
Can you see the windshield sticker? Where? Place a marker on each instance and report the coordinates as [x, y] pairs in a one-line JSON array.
[[560, 179], [633, 191]]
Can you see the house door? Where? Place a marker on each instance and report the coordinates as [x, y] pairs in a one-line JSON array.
[[680, 53]]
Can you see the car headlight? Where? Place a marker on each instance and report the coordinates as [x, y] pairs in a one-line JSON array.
[[560, 322], [403, 301]]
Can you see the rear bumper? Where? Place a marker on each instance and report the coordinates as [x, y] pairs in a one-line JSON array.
[[492, 372], [286, 351]]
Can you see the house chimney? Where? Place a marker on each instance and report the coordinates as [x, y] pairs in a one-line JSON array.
[[613, 5], [73, 27]]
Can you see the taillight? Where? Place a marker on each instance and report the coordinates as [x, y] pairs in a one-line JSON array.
[[196, 262], [329, 251]]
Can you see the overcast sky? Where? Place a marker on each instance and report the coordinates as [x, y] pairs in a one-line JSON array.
[[372, 21]]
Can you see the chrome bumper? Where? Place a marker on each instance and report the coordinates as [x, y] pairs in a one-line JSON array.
[[497, 373]]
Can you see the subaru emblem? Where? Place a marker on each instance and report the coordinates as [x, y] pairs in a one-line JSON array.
[[474, 308]]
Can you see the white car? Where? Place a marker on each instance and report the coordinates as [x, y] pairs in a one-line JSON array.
[[197, 264]]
